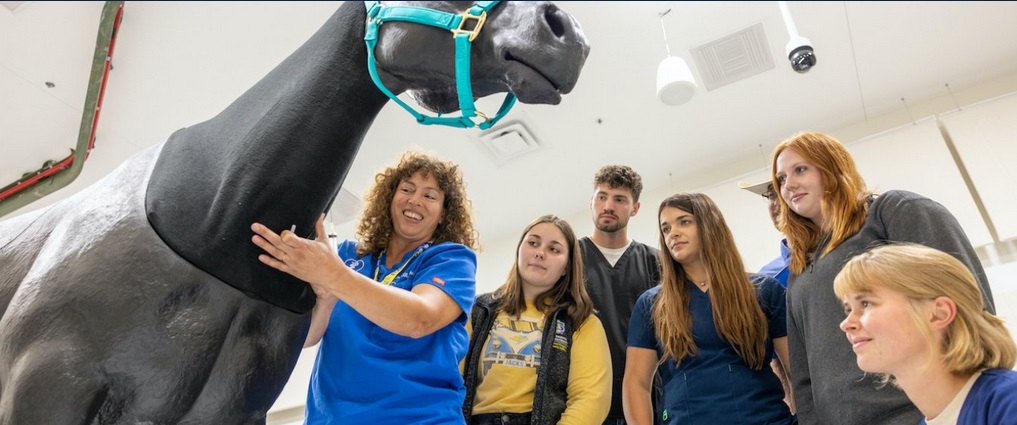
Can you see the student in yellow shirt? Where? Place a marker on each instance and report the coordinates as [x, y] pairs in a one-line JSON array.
[[538, 354]]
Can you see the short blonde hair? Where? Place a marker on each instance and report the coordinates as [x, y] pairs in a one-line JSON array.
[[975, 340]]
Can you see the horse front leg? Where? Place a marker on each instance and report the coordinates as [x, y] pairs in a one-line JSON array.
[[54, 382], [259, 353]]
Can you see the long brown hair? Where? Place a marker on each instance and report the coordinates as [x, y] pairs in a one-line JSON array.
[[975, 340], [736, 312], [844, 204], [569, 292], [375, 228]]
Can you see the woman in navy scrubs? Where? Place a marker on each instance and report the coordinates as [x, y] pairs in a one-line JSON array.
[[714, 326]]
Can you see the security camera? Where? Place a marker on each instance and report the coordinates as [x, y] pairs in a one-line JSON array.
[[801, 55], [799, 49]]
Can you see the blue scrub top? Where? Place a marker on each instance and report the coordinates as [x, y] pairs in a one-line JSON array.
[[367, 375], [715, 386]]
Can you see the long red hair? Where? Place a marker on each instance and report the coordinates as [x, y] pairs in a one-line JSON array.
[[845, 199]]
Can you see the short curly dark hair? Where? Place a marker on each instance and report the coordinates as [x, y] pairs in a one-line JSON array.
[[375, 227], [615, 176]]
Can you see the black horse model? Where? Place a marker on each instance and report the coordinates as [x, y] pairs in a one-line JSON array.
[[140, 300]]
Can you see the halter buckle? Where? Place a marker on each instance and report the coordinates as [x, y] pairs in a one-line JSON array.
[[482, 115], [467, 17]]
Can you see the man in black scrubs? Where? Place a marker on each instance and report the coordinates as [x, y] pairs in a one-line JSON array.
[[617, 268]]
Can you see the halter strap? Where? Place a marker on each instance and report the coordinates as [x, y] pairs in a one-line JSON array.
[[464, 27]]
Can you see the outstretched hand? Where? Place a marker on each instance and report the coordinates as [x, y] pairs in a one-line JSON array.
[[310, 260]]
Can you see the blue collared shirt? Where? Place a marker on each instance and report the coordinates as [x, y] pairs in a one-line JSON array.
[[778, 268]]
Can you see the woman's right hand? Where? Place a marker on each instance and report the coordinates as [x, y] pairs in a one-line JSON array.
[[310, 260]]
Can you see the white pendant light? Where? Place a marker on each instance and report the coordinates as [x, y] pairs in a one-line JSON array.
[[675, 83]]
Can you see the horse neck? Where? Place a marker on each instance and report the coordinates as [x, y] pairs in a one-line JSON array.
[[305, 121], [277, 155], [282, 150]]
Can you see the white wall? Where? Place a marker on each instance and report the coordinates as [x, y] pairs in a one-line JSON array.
[[1003, 278], [986, 139], [913, 157]]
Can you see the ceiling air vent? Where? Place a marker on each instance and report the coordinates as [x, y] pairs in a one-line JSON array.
[[12, 5], [733, 57], [508, 141]]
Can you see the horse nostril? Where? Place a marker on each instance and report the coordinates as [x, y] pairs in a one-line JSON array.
[[554, 20]]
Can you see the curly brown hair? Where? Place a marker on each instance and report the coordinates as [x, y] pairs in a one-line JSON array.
[[620, 176], [375, 227]]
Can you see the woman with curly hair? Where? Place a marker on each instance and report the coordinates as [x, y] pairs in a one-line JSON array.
[[392, 308], [916, 315], [709, 330]]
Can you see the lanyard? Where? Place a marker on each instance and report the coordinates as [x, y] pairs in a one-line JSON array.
[[391, 277]]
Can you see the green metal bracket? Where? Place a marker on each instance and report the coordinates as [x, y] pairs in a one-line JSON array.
[[57, 174]]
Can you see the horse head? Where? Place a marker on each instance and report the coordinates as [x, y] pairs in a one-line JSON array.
[[533, 50]]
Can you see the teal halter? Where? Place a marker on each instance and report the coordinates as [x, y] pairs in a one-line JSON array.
[[477, 14]]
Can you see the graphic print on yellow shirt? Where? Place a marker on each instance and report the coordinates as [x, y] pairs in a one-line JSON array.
[[513, 343], [508, 365]]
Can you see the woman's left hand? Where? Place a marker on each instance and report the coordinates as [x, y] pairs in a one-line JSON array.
[[310, 260]]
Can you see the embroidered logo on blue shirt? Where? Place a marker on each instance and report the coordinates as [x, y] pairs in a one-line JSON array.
[[355, 264]]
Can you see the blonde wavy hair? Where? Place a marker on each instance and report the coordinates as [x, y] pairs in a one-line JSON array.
[[375, 227], [569, 292], [975, 340], [736, 312], [844, 204]]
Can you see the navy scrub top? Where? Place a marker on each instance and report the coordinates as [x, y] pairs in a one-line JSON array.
[[715, 386]]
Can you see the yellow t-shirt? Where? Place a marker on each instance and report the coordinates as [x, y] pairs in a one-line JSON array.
[[507, 372]]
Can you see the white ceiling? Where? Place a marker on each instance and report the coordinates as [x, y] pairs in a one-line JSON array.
[[180, 63]]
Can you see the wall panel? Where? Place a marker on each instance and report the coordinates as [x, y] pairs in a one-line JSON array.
[[916, 158], [986, 140]]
